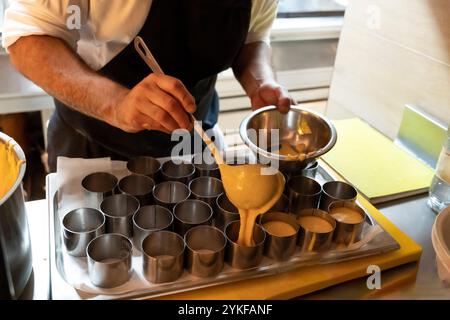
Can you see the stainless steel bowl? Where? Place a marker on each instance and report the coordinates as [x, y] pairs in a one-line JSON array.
[[15, 244], [298, 126]]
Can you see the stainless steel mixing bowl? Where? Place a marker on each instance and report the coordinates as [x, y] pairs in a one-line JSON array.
[[15, 244], [299, 126]]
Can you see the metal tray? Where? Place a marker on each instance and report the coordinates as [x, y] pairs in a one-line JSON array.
[[62, 265]]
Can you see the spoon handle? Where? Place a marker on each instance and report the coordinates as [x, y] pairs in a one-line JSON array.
[[147, 56], [209, 143]]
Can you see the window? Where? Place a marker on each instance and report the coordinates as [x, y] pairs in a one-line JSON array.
[[3, 6], [311, 8]]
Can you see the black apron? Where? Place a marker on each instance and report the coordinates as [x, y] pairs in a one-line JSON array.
[[192, 40]]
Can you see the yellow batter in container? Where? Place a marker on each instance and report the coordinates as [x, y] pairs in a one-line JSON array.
[[9, 166]]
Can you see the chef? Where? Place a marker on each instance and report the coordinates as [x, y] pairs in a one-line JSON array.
[[108, 103]]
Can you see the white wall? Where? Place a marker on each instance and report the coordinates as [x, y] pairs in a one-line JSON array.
[[392, 53]]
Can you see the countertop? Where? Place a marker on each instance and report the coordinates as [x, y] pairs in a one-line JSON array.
[[412, 281]]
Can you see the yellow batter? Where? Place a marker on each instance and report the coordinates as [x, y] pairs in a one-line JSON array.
[[279, 228], [347, 215], [247, 188], [304, 127], [9, 167], [252, 193], [205, 251], [292, 151], [315, 224]]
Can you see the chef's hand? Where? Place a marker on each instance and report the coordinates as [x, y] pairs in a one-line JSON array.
[[159, 102], [271, 94]]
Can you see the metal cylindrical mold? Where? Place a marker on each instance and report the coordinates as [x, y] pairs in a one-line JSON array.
[[206, 189], [191, 213], [109, 260], [168, 194], [205, 251], [178, 171], [226, 212], [282, 205], [336, 191], [205, 165], [150, 219], [147, 166], [315, 235], [304, 193], [98, 186], [311, 170], [350, 219], [119, 210], [138, 186], [280, 244], [80, 227], [241, 257], [163, 256]]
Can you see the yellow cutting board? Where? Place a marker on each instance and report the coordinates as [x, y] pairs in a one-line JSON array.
[[309, 279], [375, 165]]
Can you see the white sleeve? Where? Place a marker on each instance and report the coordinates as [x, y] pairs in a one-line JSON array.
[[263, 15], [39, 17]]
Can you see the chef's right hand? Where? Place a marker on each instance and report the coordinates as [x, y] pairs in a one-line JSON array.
[[158, 102]]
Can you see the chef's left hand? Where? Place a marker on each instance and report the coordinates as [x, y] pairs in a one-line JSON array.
[[272, 94]]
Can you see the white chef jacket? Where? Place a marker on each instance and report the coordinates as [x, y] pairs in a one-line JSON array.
[[107, 26]]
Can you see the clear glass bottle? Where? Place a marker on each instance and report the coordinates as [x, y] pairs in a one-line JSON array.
[[440, 186]]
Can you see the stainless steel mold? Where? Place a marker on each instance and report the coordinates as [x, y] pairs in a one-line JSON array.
[[226, 212], [80, 227], [163, 256], [205, 165], [119, 210], [206, 189], [98, 186], [147, 166], [279, 247], [178, 171], [205, 248], [138, 186], [336, 191], [311, 241], [348, 233], [109, 260], [168, 194], [304, 193], [191, 213], [150, 219], [241, 257]]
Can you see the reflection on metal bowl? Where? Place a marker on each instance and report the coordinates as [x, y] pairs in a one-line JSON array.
[[307, 134], [15, 247]]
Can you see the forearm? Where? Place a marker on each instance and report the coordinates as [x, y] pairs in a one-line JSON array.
[[253, 67], [254, 71], [62, 74]]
